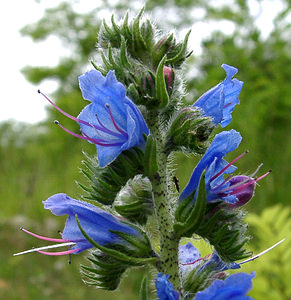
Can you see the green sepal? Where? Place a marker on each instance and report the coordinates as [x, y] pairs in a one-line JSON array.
[[105, 183], [139, 247], [119, 256], [143, 292], [189, 131], [225, 230], [105, 272], [197, 281], [162, 48], [160, 85], [134, 201], [150, 158], [182, 54], [137, 37], [187, 224]]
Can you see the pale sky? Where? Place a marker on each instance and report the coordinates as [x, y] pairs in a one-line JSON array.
[[19, 99]]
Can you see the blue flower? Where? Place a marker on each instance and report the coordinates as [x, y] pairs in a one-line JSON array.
[[219, 102], [188, 256], [95, 222], [235, 287], [189, 259], [111, 121], [165, 289], [116, 124], [215, 166]]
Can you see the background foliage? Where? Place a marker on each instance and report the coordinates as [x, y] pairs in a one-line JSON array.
[[40, 160]]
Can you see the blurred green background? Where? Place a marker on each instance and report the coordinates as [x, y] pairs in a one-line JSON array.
[[39, 160]]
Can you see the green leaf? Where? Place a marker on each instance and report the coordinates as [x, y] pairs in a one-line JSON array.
[[143, 292], [160, 84], [196, 214], [150, 158]]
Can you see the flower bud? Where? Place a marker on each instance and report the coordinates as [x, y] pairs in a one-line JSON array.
[[190, 130], [243, 195], [134, 201]]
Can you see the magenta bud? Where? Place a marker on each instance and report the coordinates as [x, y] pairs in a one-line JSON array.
[[169, 75], [244, 187]]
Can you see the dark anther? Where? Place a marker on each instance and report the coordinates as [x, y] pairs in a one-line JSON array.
[[56, 122], [38, 91]]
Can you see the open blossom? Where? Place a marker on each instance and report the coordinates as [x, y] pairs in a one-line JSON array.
[[95, 222], [233, 287], [235, 190], [219, 102], [117, 122], [111, 121], [189, 259]]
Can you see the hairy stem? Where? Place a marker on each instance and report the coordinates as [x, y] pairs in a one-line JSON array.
[[161, 194]]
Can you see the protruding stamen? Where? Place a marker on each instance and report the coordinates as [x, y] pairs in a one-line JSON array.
[[103, 143], [85, 137], [72, 117], [44, 237], [60, 110], [228, 165], [263, 252], [257, 170], [59, 253], [113, 121], [45, 248], [243, 186], [101, 129]]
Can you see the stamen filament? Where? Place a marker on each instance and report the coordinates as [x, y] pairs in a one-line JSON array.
[[228, 165], [102, 128], [61, 111], [113, 121], [43, 237], [45, 248], [87, 138], [59, 253], [96, 141], [241, 187], [222, 184], [263, 252]]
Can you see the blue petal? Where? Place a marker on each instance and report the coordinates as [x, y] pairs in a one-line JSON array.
[[188, 254], [93, 220], [95, 87], [223, 143], [165, 289], [218, 265], [234, 287], [219, 102], [104, 91]]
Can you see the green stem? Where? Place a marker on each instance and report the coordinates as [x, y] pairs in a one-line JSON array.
[[169, 244]]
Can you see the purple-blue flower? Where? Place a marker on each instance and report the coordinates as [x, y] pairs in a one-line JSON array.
[[165, 289], [117, 124], [235, 287], [95, 222], [236, 190], [188, 257], [111, 121], [219, 102], [213, 162]]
